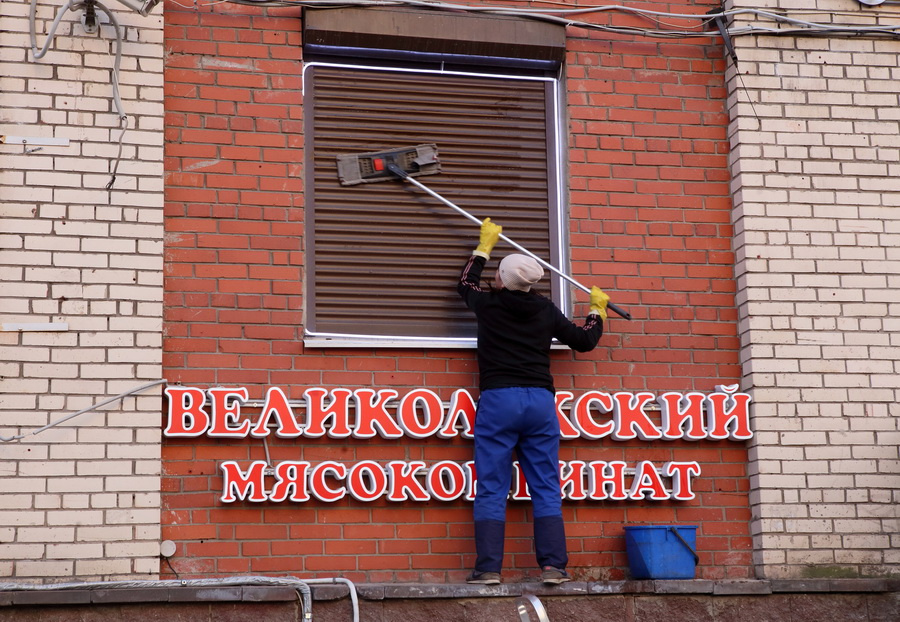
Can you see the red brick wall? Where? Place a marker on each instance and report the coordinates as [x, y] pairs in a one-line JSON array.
[[649, 222]]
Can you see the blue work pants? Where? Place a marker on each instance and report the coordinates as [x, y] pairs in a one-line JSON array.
[[520, 419]]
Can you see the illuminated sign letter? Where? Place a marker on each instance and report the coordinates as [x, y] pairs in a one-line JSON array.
[[319, 488], [631, 420], [472, 479], [186, 414], [606, 475], [404, 485], [226, 409], [462, 408], [446, 481], [277, 404], [646, 479], [566, 429], [290, 477], [681, 473], [237, 485], [371, 412], [366, 481], [520, 490], [581, 414], [571, 480], [728, 414], [678, 409], [432, 411], [317, 413]]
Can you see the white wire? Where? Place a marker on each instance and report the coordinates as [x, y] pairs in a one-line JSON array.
[[558, 16], [32, 14], [120, 396]]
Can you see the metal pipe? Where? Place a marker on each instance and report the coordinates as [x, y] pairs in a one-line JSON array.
[[354, 600], [399, 172]]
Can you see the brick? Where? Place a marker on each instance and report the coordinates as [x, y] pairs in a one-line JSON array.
[[132, 549], [45, 569], [104, 533], [104, 567]]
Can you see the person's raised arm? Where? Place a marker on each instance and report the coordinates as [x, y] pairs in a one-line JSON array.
[[469, 285]]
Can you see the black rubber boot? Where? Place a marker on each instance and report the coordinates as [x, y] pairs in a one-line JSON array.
[[489, 535], [550, 542]]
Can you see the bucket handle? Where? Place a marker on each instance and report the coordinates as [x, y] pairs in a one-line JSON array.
[[685, 542]]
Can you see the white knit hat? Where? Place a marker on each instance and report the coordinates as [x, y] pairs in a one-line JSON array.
[[520, 272]]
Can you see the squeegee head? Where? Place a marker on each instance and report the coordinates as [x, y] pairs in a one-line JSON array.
[[373, 166]]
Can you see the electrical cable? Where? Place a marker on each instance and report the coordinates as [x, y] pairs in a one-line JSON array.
[[558, 16], [115, 163], [50, 35], [117, 98], [6, 439], [354, 599], [171, 567], [71, 5]]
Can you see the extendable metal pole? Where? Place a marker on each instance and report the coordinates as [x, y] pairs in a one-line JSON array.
[[399, 172]]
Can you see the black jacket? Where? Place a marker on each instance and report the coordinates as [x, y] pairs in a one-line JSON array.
[[515, 330]]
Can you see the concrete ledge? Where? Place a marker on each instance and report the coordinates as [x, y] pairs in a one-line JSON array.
[[742, 588], [253, 594], [835, 585], [63, 597], [423, 591], [329, 592]]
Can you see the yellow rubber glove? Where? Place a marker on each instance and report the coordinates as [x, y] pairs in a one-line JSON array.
[[490, 233], [599, 300]]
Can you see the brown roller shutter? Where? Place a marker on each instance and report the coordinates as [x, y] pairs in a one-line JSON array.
[[384, 258]]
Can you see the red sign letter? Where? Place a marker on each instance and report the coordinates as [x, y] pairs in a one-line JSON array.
[[681, 472], [581, 414], [566, 429], [290, 477], [646, 479], [226, 411], [317, 414], [728, 414], [462, 408], [571, 480], [678, 409], [603, 475], [403, 479], [277, 403], [186, 414], [371, 411], [446, 481], [432, 409], [631, 420], [366, 481], [317, 481], [235, 481]]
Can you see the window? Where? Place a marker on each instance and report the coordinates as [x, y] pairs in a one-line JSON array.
[[383, 258]]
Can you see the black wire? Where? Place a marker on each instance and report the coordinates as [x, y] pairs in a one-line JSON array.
[[172, 568], [115, 164]]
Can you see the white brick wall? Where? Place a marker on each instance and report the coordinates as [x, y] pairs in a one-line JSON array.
[[817, 183], [80, 500]]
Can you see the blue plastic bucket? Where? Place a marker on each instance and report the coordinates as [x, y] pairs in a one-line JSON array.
[[661, 551]]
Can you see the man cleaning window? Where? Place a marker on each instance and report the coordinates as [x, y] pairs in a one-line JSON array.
[[517, 409]]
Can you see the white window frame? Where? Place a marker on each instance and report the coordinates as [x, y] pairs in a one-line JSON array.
[[341, 340]]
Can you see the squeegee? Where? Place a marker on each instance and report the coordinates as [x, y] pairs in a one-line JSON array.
[[410, 162]]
